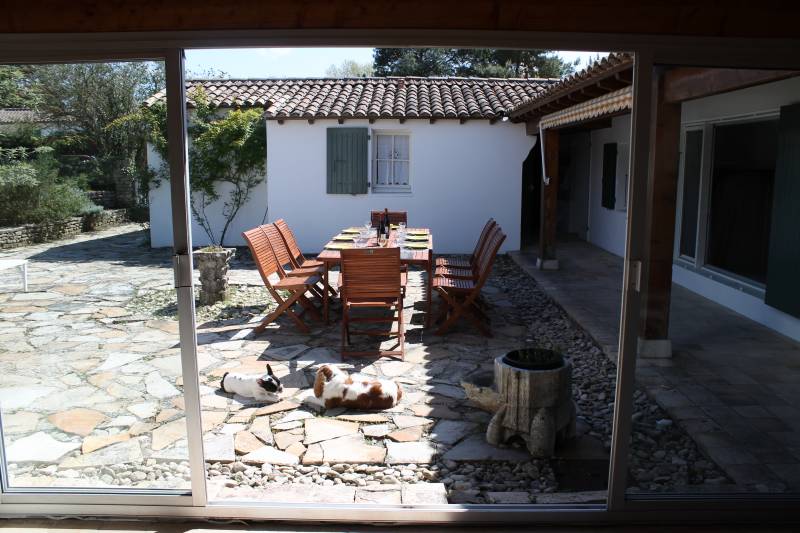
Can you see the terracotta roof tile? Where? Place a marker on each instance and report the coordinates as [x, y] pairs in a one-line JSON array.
[[392, 97]]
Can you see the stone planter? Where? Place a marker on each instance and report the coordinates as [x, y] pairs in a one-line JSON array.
[[535, 390], [213, 262]]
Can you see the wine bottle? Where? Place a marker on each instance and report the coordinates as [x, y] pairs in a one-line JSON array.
[[386, 224]]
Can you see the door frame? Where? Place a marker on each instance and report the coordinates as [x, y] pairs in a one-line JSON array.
[[649, 51]]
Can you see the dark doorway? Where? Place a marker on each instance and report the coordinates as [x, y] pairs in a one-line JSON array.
[[531, 193]]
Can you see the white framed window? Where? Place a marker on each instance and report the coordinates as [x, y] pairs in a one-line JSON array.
[[391, 162]]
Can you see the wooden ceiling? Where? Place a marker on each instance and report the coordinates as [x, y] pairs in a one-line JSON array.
[[733, 18]]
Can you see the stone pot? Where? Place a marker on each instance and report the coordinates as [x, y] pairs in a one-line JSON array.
[[535, 389], [213, 263]]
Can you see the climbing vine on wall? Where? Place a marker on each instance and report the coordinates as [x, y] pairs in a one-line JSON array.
[[227, 157]]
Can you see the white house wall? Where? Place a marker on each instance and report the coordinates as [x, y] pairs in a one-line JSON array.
[[251, 214], [460, 175], [607, 226]]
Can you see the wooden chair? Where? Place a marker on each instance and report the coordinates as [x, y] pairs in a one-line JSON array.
[[287, 263], [372, 280], [296, 286], [395, 217], [298, 259], [470, 262], [473, 270], [460, 296]]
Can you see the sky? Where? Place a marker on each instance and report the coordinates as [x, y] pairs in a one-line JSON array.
[[290, 62]]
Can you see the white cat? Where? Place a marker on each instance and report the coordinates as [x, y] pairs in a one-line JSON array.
[[336, 388], [266, 387]]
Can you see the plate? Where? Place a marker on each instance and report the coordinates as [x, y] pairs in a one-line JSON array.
[[339, 246], [343, 237], [422, 238], [416, 245], [351, 230]]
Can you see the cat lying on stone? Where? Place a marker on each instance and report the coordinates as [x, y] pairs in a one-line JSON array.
[[266, 387], [336, 388]]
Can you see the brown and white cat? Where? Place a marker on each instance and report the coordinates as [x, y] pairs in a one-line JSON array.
[[336, 388]]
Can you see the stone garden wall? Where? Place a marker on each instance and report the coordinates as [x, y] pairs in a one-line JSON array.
[[105, 199], [51, 231]]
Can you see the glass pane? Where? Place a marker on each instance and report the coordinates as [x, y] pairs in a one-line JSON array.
[[741, 197], [383, 174], [692, 158], [401, 172], [717, 411], [401, 147], [90, 369], [384, 146]]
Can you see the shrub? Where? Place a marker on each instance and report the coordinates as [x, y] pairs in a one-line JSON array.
[[31, 192]]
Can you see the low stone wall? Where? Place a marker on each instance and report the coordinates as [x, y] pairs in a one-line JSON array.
[[105, 199], [52, 231]]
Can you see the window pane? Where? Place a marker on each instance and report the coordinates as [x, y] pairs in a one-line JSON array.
[[401, 147], [691, 191], [384, 146], [741, 198], [401, 172], [382, 175]]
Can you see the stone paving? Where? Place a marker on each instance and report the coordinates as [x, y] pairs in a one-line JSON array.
[[90, 390]]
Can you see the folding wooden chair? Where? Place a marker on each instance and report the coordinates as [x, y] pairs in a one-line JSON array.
[[298, 259], [296, 286], [286, 262], [473, 271], [395, 217], [472, 260], [372, 280], [460, 296]]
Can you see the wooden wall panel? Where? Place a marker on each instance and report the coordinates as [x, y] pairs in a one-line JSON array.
[[768, 18]]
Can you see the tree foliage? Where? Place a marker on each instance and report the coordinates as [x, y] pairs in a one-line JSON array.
[[227, 156], [349, 69], [16, 89], [479, 62], [85, 99]]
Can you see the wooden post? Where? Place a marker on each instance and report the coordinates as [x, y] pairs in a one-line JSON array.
[[549, 203], [661, 203]]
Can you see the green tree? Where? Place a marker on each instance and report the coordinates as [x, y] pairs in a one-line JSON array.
[[480, 62], [349, 69], [85, 99], [15, 88]]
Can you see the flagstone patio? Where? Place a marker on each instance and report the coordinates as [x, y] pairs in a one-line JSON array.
[[90, 391]]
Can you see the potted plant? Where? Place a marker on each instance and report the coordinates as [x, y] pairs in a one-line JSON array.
[[213, 263], [91, 217]]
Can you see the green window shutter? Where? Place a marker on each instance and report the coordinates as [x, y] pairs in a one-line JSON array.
[[609, 199], [783, 266], [348, 160]]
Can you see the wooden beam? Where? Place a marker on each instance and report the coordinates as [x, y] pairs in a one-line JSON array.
[[532, 127], [687, 83], [767, 19], [662, 201], [549, 199]]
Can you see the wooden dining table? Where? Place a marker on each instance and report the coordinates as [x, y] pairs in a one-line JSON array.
[[421, 257]]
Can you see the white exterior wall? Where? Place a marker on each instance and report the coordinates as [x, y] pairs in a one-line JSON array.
[[460, 175], [251, 214], [607, 226]]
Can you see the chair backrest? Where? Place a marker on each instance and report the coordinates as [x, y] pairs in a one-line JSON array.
[[490, 253], [395, 217], [481, 244], [262, 254], [291, 242], [371, 273], [279, 247]]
